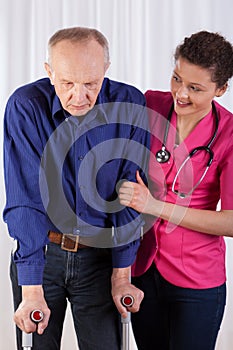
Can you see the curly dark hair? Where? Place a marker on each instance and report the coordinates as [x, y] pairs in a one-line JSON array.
[[210, 51]]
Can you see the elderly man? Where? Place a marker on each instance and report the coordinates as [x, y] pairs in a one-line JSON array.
[[69, 140]]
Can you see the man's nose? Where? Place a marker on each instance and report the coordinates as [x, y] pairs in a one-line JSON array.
[[78, 92]]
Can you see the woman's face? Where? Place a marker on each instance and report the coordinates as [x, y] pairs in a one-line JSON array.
[[192, 89]]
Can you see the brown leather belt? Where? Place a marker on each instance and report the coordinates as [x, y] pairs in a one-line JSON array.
[[67, 241]]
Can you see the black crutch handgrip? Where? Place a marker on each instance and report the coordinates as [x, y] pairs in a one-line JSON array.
[[36, 316]]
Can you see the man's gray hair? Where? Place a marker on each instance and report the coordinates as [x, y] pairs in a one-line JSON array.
[[79, 34]]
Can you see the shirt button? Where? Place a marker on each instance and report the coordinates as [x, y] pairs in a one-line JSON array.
[[76, 232], [80, 158]]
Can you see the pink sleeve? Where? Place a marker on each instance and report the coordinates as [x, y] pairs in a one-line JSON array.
[[226, 178]]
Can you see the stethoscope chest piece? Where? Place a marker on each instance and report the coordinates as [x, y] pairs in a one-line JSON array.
[[163, 155]]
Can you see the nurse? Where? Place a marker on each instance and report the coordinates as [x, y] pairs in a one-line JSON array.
[[180, 265]]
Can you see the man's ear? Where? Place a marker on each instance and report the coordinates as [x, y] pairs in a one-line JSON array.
[[106, 67], [222, 90], [49, 72]]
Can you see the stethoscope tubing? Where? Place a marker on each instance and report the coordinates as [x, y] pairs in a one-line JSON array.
[[163, 155]]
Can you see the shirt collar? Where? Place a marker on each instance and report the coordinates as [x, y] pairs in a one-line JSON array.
[[99, 110], [57, 109]]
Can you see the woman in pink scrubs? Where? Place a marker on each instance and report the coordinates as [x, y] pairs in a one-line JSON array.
[[180, 265]]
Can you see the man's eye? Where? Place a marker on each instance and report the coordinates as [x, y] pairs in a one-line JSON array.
[[91, 86], [67, 85]]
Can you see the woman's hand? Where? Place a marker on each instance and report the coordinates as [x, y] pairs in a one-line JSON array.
[[136, 195]]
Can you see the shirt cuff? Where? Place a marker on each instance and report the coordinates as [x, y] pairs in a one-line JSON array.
[[30, 274], [125, 255]]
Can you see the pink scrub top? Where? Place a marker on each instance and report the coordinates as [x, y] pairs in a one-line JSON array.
[[184, 257]]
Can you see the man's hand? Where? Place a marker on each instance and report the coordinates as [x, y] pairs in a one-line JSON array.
[[121, 286], [32, 299]]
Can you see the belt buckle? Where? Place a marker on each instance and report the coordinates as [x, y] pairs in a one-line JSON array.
[[67, 239]]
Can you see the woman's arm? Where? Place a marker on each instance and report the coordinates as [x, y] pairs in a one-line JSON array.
[[138, 197]]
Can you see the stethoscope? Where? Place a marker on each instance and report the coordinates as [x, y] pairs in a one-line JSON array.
[[163, 155]]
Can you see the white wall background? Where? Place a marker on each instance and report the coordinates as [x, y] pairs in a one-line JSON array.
[[142, 36]]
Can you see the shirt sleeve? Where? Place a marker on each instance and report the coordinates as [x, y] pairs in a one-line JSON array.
[[124, 256], [24, 212], [226, 171], [128, 223]]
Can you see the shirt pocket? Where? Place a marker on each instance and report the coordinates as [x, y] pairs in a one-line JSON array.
[[202, 255]]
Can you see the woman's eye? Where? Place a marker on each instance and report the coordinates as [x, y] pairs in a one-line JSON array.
[[175, 78], [194, 88]]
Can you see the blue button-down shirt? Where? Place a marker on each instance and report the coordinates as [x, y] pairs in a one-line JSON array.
[[61, 172]]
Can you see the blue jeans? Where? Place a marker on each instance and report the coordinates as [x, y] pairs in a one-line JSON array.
[[175, 318], [84, 279]]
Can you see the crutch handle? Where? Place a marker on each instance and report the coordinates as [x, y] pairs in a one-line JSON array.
[[36, 316], [127, 300]]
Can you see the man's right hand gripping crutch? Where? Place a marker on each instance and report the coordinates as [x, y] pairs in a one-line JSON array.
[[127, 299], [27, 338]]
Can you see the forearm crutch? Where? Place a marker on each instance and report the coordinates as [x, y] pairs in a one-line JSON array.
[[127, 301], [36, 316]]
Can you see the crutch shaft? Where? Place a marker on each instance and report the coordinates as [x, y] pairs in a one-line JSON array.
[[125, 336], [27, 341], [127, 300]]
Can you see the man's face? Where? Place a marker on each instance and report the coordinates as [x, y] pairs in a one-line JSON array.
[[77, 71]]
